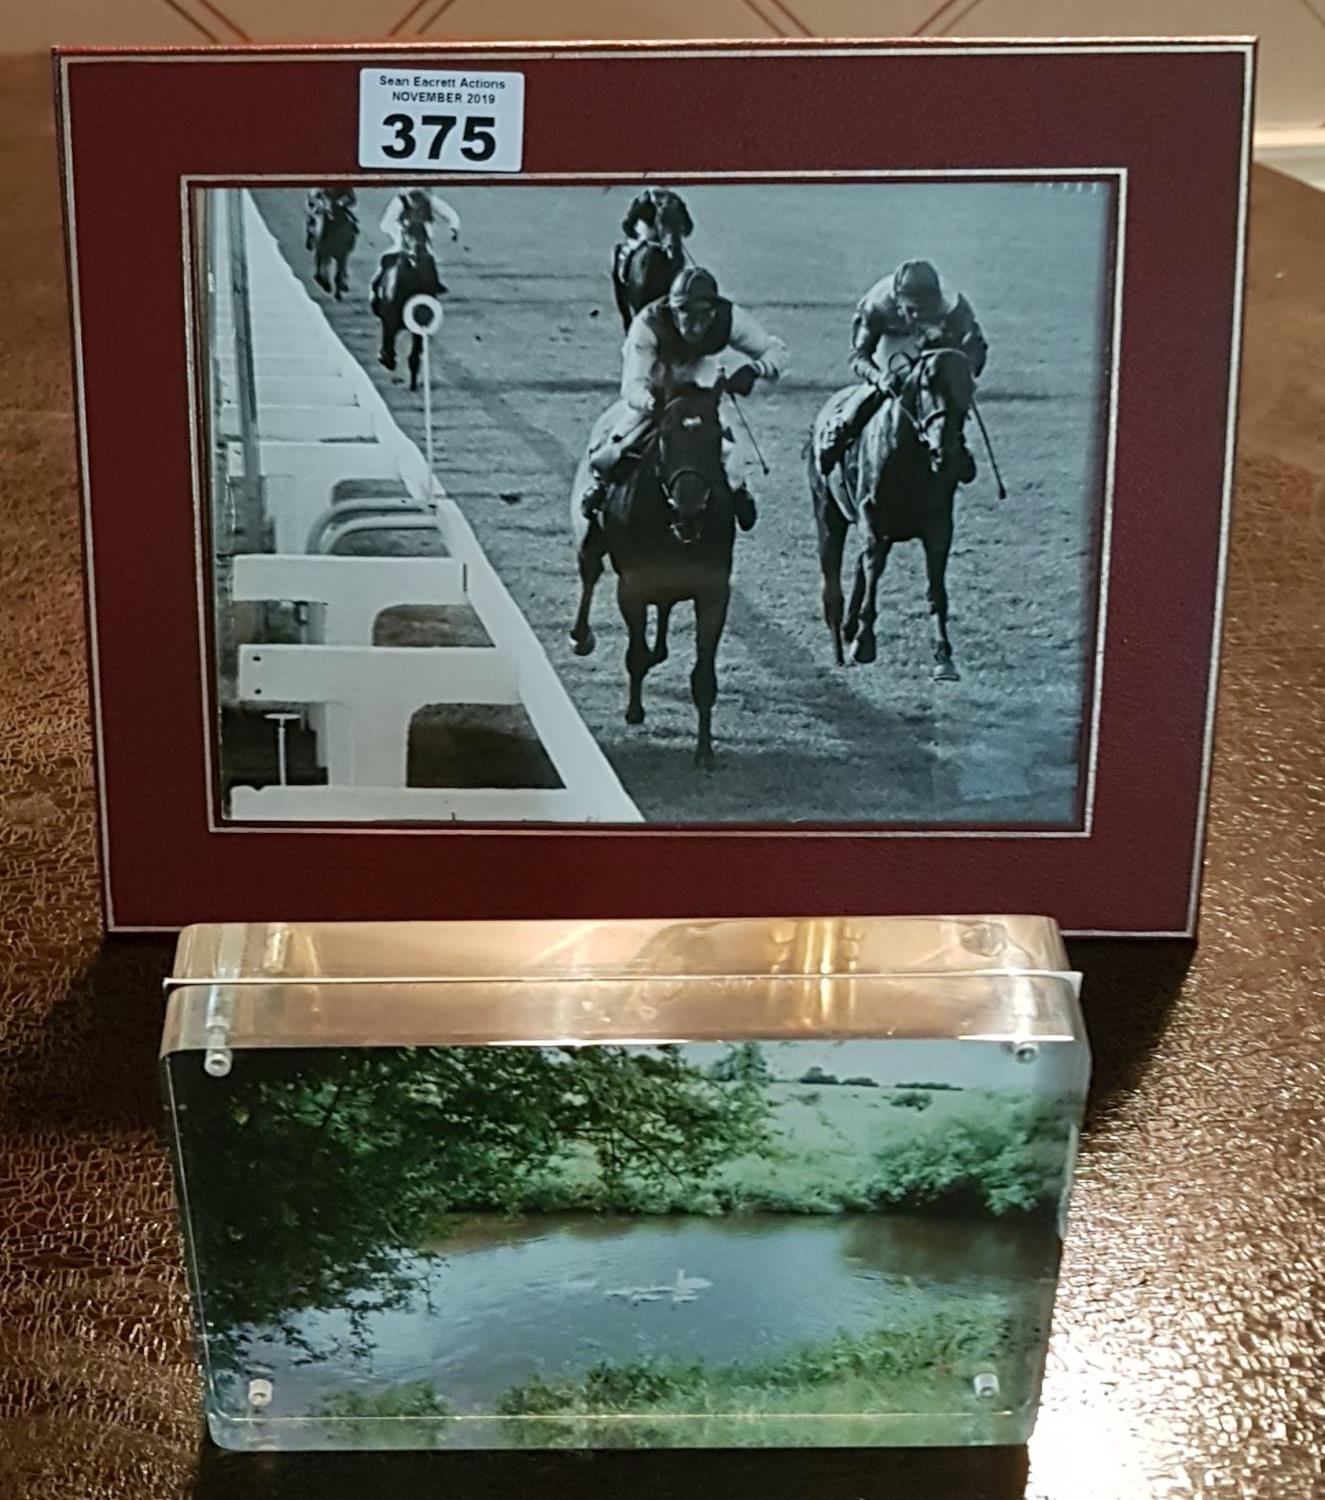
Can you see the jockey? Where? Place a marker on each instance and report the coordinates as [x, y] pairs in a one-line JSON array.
[[907, 312], [673, 342], [328, 200], [657, 221], [648, 216], [414, 206]]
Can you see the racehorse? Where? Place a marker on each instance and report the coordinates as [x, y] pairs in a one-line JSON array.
[[401, 275], [332, 231], [668, 531], [898, 478], [644, 269]]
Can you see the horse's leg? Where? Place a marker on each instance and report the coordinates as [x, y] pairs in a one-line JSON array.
[[875, 556], [342, 274], [659, 653], [634, 611], [389, 331], [590, 561], [710, 617], [832, 527], [622, 295], [852, 622], [320, 265], [937, 545], [415, 359]]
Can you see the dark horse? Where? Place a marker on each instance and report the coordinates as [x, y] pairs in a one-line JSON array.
[[400, 276], [668, 531], [332, 231], [899, 478], [644, 269]]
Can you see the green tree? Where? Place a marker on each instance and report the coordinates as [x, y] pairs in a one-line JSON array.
[[652, 1117], [743, 1062]]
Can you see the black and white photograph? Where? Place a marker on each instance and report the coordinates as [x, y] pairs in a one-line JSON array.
[[759, 502]]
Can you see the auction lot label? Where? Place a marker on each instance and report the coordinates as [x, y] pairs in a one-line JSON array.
[[471, 121]]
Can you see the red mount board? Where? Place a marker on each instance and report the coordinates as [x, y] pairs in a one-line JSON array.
[[1165, 125]]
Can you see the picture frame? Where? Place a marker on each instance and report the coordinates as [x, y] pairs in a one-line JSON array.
[[1053, 191], [624, 1184]]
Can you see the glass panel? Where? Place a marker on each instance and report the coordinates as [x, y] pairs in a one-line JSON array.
[[747, 1210], [713, 1244]]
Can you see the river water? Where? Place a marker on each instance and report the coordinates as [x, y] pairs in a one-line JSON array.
[[502, 1301]]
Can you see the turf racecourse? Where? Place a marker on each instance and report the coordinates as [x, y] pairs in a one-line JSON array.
[[530, 354]]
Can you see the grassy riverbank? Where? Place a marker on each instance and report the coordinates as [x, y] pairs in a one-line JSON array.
[[890, 1385]]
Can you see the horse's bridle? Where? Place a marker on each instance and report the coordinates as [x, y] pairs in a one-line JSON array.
[[912, 361], [665, 484]]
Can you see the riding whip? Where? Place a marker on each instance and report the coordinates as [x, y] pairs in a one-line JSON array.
[[751, 435], [989, 449]]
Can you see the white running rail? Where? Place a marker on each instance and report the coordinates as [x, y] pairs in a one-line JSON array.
[[321, 420]]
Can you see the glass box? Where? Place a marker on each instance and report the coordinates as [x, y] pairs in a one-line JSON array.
[[583, 1184]]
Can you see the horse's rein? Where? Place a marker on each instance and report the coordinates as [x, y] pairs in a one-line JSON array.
[[913, 363], [665, 484]]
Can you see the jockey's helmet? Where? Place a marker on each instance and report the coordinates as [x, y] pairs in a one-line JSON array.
[[418, 203], [917, 289], [694, 287]]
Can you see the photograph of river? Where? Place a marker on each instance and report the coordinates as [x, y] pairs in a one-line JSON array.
[[705, 1244]]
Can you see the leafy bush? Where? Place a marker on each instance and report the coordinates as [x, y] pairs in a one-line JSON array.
[[417, 1399], [999, 1154]]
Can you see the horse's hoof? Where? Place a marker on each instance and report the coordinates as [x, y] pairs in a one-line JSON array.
[[583, 644], [634, 715], [864, 651], [946, 672], [705, 760]]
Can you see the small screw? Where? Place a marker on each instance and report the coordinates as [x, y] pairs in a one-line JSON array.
[[259, 1394], [986, 1385], [216, 1058], [1025, 1052]]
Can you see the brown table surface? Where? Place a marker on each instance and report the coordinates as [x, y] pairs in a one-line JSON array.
[[1187, 1356]]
